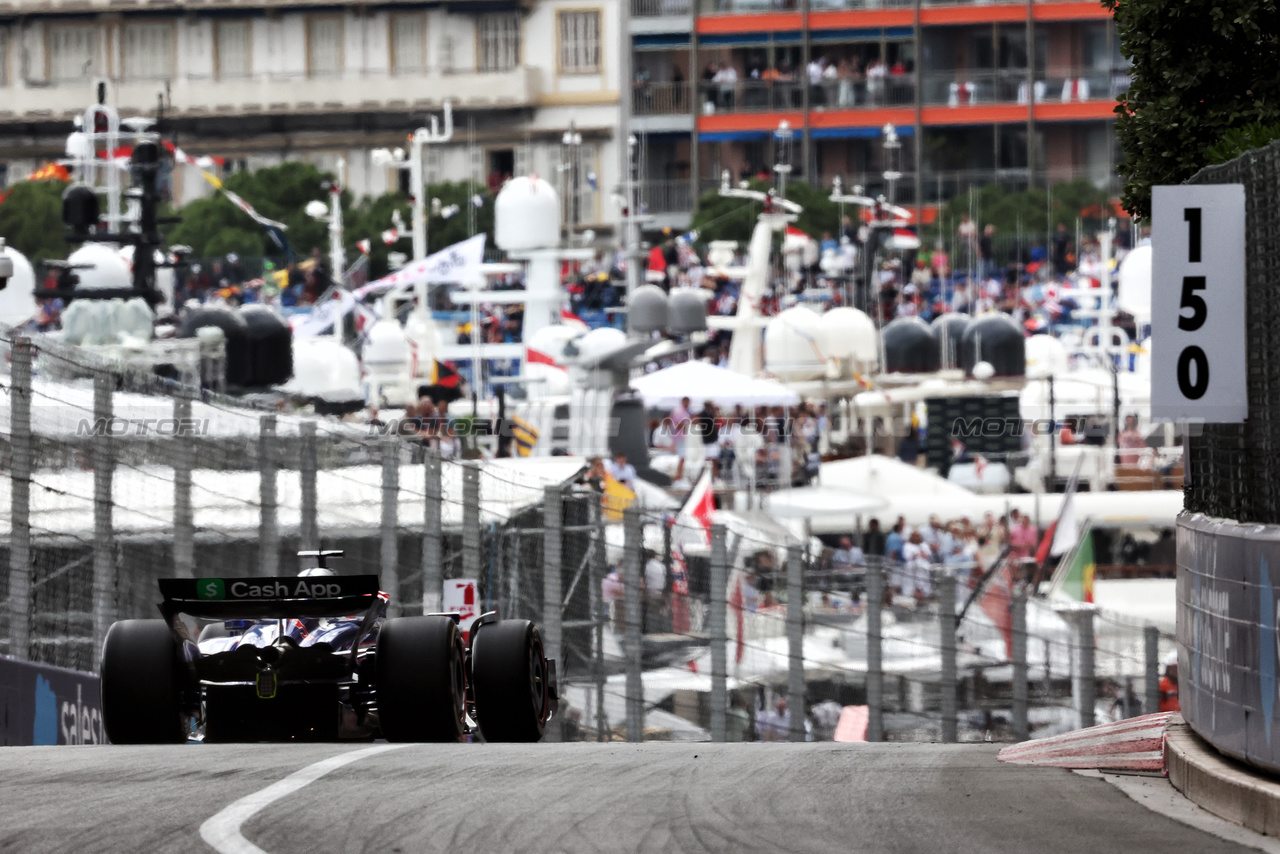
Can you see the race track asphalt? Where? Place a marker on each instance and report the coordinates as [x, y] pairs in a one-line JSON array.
[[479, 799]]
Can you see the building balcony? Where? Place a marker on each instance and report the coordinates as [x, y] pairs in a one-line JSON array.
[[661, 16], [754, 96], [660, 99], [661, 8], [967, 88], [748, 7], [56, 7], [283, 94], [666, 196]]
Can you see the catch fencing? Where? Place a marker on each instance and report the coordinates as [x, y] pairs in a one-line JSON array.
[[1235, 468], [117, 473]]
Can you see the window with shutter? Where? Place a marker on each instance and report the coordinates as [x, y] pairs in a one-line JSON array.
[[579, 42], [408, 44], [324, 46], [148, 51], [235, 56], [73, 52], [499, 42]]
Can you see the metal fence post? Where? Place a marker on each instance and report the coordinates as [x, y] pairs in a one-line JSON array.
[[600, 612], [184, 453], [1151, 640], [552, 559], [470, 521], [795, 643], [632, 539], [432, 534], [390, 551], [1086, 688], [1018, 614], [875, 666], [20, 500], [269, 526], [717, 631], [104, 547], [308, 524], [947, 642]]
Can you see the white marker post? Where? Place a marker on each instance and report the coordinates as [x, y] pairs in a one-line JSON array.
[[1198, 367]]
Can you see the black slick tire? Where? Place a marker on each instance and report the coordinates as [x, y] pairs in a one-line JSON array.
[[140, 680], [421, 680], [510, 673]]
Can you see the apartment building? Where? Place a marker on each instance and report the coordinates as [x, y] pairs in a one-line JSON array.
[[1018, 93], [263, 81]]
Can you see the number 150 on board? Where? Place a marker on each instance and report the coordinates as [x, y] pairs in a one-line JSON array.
[[1198, 353]]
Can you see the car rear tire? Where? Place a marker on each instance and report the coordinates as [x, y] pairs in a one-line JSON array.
[[140, 682], [511, 692], [421, 679]]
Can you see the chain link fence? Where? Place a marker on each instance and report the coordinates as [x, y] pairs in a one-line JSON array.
[[116, 473], [1235, 468]]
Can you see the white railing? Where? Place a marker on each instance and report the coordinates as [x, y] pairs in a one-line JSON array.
[[287, 93]]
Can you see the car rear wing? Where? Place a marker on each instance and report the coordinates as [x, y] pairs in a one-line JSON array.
[[269, 597]]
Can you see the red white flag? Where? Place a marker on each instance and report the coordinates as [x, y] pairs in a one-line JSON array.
[[737, 606], [537, 357], [701, 505], [995, 603]]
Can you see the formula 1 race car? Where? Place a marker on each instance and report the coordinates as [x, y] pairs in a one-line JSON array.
[[315, 657]]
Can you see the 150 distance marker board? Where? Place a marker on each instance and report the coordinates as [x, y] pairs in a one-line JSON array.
[[1198, 353]]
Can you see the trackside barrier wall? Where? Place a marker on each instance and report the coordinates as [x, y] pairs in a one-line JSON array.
[[42, 704], [1228, 587], [1229, 539]]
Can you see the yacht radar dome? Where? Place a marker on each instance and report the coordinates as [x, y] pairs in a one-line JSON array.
[[526, 215]]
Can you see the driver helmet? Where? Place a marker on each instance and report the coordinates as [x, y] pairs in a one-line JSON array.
[[317, 572]]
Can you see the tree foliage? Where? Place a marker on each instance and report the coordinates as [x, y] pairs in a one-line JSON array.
[[1034, 211], [725, 218], [214, 226], [31, 220], [1200, 69]]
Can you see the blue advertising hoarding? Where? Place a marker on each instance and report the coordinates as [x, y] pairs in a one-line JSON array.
[[1228, 644], [40, 704]]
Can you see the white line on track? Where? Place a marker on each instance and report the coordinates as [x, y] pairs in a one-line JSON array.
[[222, 831]]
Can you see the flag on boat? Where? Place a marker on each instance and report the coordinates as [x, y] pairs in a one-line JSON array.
[[1064, 531], [444, 375], [1077, 582], [680, 621], [459, 263], [524, 434], [701, 504], [568, 318], [617, 498], [537, 357], [253, 214], [996, 602], [657, 270]]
